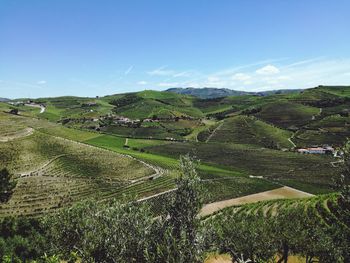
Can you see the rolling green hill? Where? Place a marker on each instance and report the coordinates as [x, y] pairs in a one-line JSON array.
[[310, 173], [249, 130], [287, 114], [77, 149]]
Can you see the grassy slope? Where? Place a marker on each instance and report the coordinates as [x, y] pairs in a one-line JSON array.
[[286, 114], [221, 182], [249, 130], [162, 104], [310, 173], [79, 172], [332, 130]]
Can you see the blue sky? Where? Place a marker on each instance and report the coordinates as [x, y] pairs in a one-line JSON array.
[[88, 48]]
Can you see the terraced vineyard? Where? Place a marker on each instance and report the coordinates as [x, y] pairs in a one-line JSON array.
[[328, 209], [286, 114], [249, 130], [315, 228], [308, 173], [53, 172]]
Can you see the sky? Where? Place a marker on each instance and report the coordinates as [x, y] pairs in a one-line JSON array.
[[100, 47]]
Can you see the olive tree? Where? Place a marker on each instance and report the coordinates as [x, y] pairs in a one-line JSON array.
[[7, 185], [175, 234], [114, 232]]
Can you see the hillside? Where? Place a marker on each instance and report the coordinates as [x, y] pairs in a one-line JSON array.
[[212, 93], [238, 139], [249, 130]]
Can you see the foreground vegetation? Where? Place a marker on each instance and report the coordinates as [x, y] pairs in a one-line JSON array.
[[315, 228]]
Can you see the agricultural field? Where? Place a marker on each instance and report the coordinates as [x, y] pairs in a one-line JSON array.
[[279, 193], [52, 171], [249, 130], [244, 144], [309, 173], [287, 115]]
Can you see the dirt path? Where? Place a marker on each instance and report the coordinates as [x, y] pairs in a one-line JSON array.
[[224, 258], [280, 193], [38, 171], [42, 108], [155, 195], [336, 162], [214, 131], [290, 140], [20, 134]]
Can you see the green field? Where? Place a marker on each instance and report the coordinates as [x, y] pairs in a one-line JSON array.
[[287, 114], [312, 173], [249, 130], [242, 143]]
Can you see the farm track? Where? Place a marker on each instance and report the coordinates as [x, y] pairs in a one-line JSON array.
[[280, 193], [42, 108], [39, 170], [214, 131]]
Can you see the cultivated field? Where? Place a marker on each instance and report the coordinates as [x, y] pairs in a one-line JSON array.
[[280, 193]]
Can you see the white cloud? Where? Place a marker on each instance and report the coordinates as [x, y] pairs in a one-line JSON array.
[[142, 82], [41, 82], [213, 79], [128, 70], [289, 75], [168, 84], [241, 77], [268, 70], [248, 82], [162, 71], [183, 74]]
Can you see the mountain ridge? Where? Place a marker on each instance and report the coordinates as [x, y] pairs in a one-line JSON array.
[[211, 92]]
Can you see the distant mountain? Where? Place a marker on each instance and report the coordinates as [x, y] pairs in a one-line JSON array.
[[4, 100], [278, 91], [210, 93]]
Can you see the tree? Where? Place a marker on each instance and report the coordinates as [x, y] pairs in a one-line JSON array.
[[6, 185], [175, 236], [113, 232], [245, 236], [344, 181], [186, 205]]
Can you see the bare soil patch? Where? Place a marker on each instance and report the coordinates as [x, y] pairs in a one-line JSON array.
[[219, 259], [280, 193]]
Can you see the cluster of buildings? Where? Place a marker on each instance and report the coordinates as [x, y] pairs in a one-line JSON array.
[[126, 121], [317, 150]]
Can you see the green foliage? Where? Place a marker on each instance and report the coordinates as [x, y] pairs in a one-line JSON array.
[[6, 185], [185, 206], [311, 172], [21, 239], [344, 181], [127, 232], [312, 228], [249, 130], [114, 232]]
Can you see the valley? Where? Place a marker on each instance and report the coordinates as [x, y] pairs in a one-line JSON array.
[[128, 144]]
